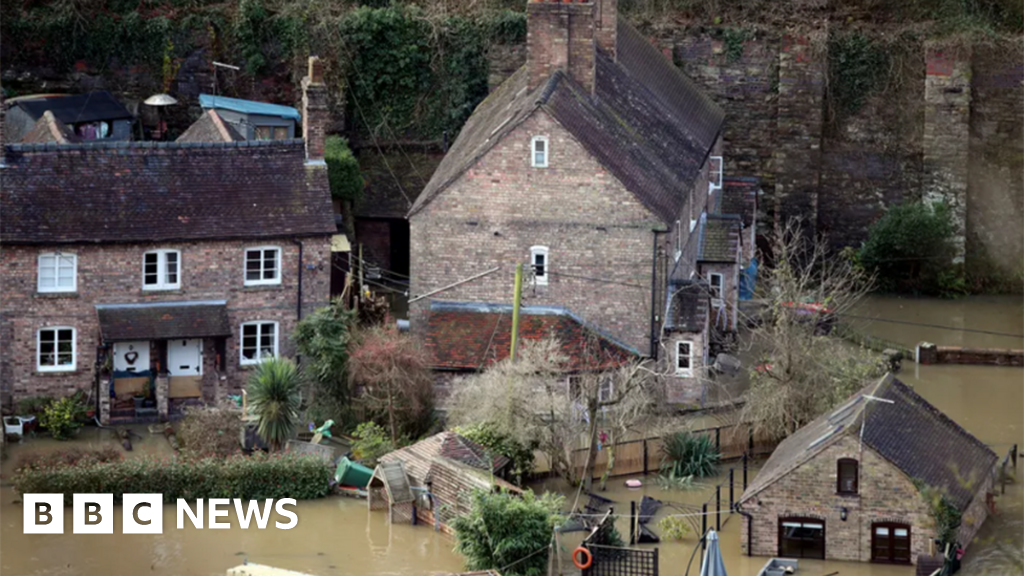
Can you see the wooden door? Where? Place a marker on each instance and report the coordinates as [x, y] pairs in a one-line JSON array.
[[890, 542]]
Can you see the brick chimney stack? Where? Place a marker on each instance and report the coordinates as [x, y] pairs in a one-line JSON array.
[[314, 111], [605, 25], [560, 36]]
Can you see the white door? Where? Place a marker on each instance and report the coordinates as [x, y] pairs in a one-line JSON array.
[[185, 357], [131, 356]]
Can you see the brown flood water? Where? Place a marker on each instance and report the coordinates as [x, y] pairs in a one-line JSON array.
[[338, 536]]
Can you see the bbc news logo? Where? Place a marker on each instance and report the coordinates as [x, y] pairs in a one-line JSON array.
[[144, 513]]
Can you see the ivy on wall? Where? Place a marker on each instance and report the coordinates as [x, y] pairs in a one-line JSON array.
[[857, 67]]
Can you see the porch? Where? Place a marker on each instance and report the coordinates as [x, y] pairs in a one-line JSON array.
[[161, 358]]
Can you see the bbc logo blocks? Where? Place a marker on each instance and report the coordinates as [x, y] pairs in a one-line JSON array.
[[93, 514]]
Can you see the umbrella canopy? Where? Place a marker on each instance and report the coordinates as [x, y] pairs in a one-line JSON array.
[[160, 100], [712, 564]]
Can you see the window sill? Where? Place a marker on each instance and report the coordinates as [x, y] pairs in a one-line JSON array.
[[56, 295], [160, 292], [54, 373], [684, 374], [851, 495]]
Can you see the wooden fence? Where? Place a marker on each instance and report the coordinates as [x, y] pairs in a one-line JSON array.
[[645, 455]]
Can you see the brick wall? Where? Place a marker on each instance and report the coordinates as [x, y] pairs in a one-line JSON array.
[[684, 390], [112, 274], [498, 209], [885, 494]]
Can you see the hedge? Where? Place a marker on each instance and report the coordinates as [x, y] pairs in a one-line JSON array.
[[254, 477]]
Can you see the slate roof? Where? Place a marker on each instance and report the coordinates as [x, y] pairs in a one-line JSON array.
[[474, 336], [646, 122], [687, 307], [148, 191], [49, 128], [77, 108], [739, 196], [420, 457], [719, 239], [910, 433], [208, 101], [163, 320], [210, 127]]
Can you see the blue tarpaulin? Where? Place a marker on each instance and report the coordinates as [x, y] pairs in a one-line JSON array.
[[748, 280]]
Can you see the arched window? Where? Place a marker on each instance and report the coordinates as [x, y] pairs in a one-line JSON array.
[[847, 483]]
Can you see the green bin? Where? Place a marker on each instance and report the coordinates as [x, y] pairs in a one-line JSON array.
[[351, 473]]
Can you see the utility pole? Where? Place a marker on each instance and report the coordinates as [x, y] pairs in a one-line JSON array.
[[359, 286], [516, 297]]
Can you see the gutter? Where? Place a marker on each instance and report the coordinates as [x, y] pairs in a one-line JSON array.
[[750, 528], [298, 305], [654, 300]]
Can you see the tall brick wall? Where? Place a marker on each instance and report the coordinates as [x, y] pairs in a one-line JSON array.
[[885, 495], [112, 274], [600, 237]]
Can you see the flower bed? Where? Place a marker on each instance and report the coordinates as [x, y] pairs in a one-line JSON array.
[[247, 477]]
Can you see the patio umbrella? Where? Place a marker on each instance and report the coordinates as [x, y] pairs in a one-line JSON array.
[[712, 564]]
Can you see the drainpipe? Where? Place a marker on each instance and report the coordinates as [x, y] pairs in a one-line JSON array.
[[750, 529], [298, 307], [654, 300]]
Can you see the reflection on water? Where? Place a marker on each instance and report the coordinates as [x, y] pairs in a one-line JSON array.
[[337, 536]]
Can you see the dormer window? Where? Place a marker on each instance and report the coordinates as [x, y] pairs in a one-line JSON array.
[[847, 483], [715, 173], [539, 151], [540, 264]]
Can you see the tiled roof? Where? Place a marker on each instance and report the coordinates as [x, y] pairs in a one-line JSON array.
[[719, 239], [687, 306], [49, 129], [163, 320], [210, 127], [208, 101], [909, 432], [473, 336], [147, 191], [739, 196], [646, 123], [419, 458], [76, 108]]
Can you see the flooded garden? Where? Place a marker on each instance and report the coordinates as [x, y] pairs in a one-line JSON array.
[[337, 535]]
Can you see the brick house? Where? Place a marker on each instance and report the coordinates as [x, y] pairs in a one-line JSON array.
[[593, 164], [845, 486], [181, 263]]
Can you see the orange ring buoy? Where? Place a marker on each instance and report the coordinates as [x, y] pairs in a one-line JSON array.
[[576, 559]]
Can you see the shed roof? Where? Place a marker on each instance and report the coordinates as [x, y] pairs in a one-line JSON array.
[[469, 336], [739, 196], [76, 108], [145, 191], [419, 458], [645, 121], [719, 239], [901, 427], [210, 127], [208, 101], [688, 304], [163, 320]]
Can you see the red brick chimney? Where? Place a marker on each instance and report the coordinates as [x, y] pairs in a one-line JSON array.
[[560, 36], [314, 111]]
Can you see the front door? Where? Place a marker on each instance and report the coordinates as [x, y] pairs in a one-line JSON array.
[[131, 356], [185, 357], [802, 538], [890, 542]]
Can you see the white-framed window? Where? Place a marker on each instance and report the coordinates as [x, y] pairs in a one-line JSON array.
[[58, 272], [259, 341], [715, 165], [161, 270], [684, 358], [262, 265], [679, 239], [606, 389], [539, 152], [55, 349], [717, 282], [541, 264]]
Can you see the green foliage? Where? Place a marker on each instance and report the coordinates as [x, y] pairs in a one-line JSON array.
[[69, 457], [734, 39], [33, 405], [857, 66], [944, 513], [63, 417], [343, 170], [910, 249], [210, 432], [372, 442], [502, 529], [687, 454], [668, 480], [674, 528], [608, 535], [257, 477], [488, 436], [274, 397], [506, 27], [322, 339]]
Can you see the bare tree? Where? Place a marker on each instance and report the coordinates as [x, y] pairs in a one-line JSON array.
[[802, 371]]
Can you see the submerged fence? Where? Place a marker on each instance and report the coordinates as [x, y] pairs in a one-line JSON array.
[[645, 455]]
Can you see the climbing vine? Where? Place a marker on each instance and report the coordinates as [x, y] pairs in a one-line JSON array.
[[857, 67]]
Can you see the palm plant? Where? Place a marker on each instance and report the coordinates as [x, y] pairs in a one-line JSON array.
[[687, 454], [274, 396]]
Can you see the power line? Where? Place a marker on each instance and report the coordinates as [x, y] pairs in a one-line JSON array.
[[937, 326], [368, 281]]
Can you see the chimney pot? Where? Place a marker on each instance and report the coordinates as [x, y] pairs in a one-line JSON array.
[[316, 70]]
